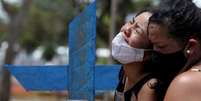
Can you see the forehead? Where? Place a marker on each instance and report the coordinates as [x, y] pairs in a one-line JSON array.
[[158, 36], [157, 33], [143, 18]]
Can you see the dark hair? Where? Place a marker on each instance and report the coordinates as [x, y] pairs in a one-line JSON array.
[[142, 11], [182, 18]]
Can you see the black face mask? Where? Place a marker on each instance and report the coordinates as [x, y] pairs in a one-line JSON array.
[[166, 64]]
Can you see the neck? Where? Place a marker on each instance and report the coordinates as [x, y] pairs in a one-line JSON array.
[[133, 72]]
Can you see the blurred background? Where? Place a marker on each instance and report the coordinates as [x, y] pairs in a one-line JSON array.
[[35, 32]]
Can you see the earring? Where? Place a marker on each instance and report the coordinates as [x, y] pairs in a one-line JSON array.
[[188, 51]]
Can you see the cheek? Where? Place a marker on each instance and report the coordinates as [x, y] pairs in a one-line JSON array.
[[170, 48], [138, 41], [173, 46]]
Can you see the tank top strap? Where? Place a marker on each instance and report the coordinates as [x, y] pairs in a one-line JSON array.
[[122, 80], [136, 88]]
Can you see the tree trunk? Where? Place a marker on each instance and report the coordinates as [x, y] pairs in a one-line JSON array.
[[15, 27], [113, 9]]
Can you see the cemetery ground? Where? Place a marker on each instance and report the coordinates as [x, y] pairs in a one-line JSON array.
[[19, 94]]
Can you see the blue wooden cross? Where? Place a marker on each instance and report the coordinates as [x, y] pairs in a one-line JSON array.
[[81, 77]]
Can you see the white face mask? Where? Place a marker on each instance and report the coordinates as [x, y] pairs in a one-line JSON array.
[[124, 53]]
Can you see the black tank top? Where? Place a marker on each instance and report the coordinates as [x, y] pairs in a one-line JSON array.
[[134, 90]]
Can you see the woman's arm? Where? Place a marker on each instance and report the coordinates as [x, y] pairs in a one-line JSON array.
[[185, 87]]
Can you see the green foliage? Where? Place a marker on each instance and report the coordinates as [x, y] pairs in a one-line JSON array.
[[49, 52], [102, 61], [2, 36], [48, 20], [142, 4], [3, 32], [28, 42]]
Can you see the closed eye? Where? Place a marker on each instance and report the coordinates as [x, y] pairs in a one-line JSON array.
[[161, 46], [139, 31], [140, 28]]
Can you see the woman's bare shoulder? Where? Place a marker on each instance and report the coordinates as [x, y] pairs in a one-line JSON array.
[[188, 78], [185, 87]]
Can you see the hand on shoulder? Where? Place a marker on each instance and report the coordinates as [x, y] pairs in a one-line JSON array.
[[147, 92]]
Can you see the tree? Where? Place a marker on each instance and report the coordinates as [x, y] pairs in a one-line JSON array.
[[15, 26]]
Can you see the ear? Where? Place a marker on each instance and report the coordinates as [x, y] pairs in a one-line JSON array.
[[192, 47]]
